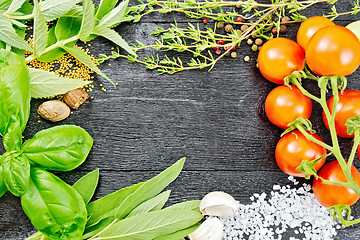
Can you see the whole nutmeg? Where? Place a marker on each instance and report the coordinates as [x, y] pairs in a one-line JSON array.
[[228, 28], [75, 98], [54, 110]]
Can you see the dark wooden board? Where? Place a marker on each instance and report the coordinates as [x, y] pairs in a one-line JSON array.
[[215, 119]]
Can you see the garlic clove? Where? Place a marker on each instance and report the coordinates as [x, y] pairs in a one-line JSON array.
[[210, 229], [219, 204]]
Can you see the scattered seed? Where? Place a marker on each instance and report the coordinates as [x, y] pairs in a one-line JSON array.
[[228, 28], [246, 58], [255, 6], [249, 41], [233, 54], [283, 28], [258, 41], [205, 20], [227, 54], [239, 19], [274, 31], [244, 27], [218, 52], [254, 47], [219, 25], [239, 5], [286, 20]]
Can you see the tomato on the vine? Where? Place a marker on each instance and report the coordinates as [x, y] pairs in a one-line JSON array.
[[279, 57], [329, 195], [293, 148], [284, 104], [347, 107], [333, 50], [309, 27]]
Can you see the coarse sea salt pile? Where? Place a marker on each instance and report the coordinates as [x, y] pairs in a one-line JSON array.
[[286, 211]]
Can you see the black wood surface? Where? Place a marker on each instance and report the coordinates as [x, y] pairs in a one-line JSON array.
[[215, 119]]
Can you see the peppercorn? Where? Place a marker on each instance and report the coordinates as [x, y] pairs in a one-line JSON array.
[[239, 5], [286, 20], [254, 48], [218, 52], [226, 48], [244, 27], [228, 28], [239, 19], [205, 20], [220, 42], [274, 31], [216, 48], [283, 28], [233, 54], [255, 6], [258, 41], [234, 47], [219, 25], [246, 58], [249, 41]]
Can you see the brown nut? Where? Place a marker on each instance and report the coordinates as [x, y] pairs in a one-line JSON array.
[[219, 25], [75, 98], [244, 27], [283, 28], [286, 20], [228, 28], [54, 110]]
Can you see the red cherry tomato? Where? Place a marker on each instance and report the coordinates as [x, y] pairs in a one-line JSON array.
[[347, 107], [333, 50], [279, 57], [293, 148], [330, 195], [309, 27], [283, 105]]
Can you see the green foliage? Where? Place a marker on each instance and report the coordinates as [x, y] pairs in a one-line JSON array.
[[86, 185]]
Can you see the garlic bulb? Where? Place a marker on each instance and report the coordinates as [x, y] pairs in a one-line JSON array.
[[219, 204], [210, 229]]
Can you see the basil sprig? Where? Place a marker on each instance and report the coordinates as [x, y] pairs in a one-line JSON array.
[[54, 207]]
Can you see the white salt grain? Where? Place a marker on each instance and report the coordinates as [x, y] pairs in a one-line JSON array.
[[286, 210]]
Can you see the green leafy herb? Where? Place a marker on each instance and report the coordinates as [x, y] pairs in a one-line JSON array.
[[88, 20], [155, 203], [179, 234], [47, 84], [14, 6], [105, 7], [40, 30], [115, 16], [53, 9], [86, 185], [3, 188], [10, 37]]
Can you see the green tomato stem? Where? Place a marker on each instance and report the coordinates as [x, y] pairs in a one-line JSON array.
[[354, 148]]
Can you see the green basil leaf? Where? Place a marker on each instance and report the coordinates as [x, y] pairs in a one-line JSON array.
[[114, 37], [5, 4], [15, 99], [88, 20], [149, 189], [40, 30], [14, 6], [53, 9], [155, 203], [67, 27], [54, 208], [86, 60], [3, 188], [105, 7], [86, 185], [57, 52], [106, 207], [17, 24], [190, 205], [151, 225], [91, 231], [8, 35], [115, 16], [47, 84], [179, 234], [16, 172], [38, 236], [60, 148], [26, 9]]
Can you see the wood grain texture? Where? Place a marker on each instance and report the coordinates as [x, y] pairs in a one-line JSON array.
[[215, 119]]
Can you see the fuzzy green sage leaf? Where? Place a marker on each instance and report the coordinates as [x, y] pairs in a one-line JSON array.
[[9, 35], [179, 234], [53, 9], [40, 30], [88, 20], [156, 203], [86, 185], [105, 7], [115, 16], [14, 6]]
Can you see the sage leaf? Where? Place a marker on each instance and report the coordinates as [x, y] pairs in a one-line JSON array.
[[54, 208], [75, 12], [105, 7], [86, 185], [15, 99], [40, 30], [93, 230], [14, 6], [179, 234], [114, 37], [16, 172], [191, 205], [86, 60], [3, 188], [60, 148], [9, 36], [88, 20], [17, 23], [53, 9], [106, 207], [149, 189], [152, 204], [150, 225], [5, 4], [47, 84], [115, 16]]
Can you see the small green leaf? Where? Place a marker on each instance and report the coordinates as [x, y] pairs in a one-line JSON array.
[[16, 172], [47, 84], [38, 236], [152, 224], [105, 7], [156, 203], [60, 148], [190, 205], [53, 9], [149, 189], [3, 188], [86, 60], [86, 185], [5, 4], [40, 30], [67, 27], [114, 37], [8, 35], [57, 52], [88, 20], [179, 234], [75, 12], [54, 207], [14, 6], [115, 16], [91, 231]]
